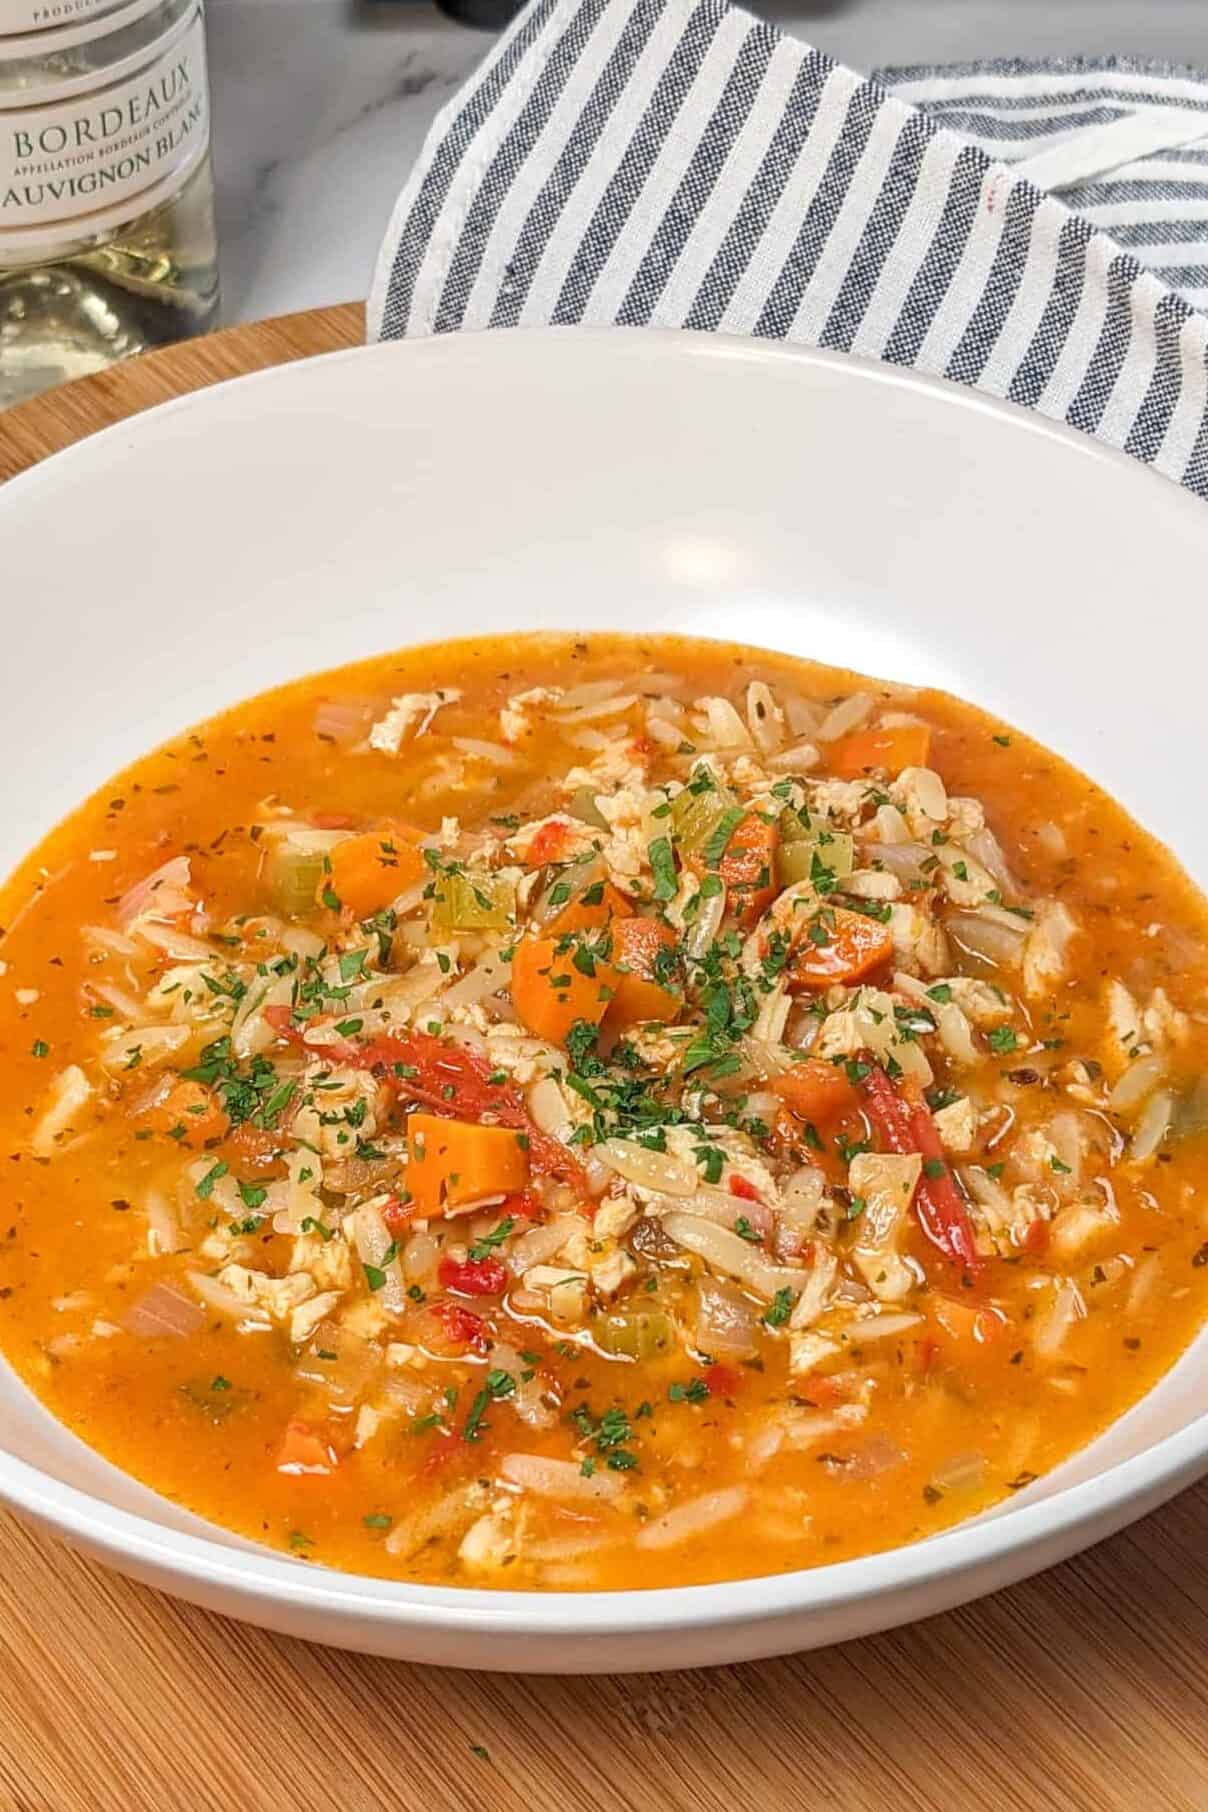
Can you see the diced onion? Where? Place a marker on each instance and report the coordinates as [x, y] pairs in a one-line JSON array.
[[165, 892], [983, 935], [964, 1472], [1053, 1329], [726, 1322], [163, 1311]]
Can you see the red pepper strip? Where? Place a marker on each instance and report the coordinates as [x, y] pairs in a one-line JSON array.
[[440, 1067], [909, 1129]]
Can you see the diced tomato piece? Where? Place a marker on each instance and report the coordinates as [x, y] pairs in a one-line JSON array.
[[748, 867], [888, 751], [461, 1327], [1036, 1239], [525, 1205], [723, 1380], [745, 1191], [473, 1276], [815, 1090], [548, 844], [398, 1215], [305, 1453], [844, 946]]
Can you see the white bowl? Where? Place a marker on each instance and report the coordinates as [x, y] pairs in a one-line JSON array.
[[323, 511]]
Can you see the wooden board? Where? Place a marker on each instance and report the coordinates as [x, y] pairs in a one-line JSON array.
[[1085, 1688]]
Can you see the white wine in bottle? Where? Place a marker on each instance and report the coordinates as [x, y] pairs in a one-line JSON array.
[[107, 241]]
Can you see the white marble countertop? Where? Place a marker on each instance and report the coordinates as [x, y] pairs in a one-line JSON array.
[[321, 106]]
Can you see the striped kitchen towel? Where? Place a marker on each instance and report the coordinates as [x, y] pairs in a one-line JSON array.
[[681, 163]]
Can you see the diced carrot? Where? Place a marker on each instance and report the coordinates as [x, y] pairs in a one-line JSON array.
[[451, 1162], [369, 871], [748, 867], [190, 1106], [815, 1090], [302, 1451], [550, 993], [584, 914], [637, 945], [854, 945], [904, 746]]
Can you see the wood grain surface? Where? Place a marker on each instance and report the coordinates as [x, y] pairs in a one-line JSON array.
[[1085, 1690]]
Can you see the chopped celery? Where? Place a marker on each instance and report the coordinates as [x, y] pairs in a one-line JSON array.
[[697, 811], [294, 875], [641, 1335], [471, 900], [832, 849], [583, 807]]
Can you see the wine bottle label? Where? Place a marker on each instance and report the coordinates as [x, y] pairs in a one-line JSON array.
[[95, 153], [46, 15]]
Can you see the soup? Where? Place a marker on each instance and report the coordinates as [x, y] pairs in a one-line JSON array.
[[591, 1113]]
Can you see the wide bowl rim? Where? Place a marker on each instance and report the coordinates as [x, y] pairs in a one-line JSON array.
[[257, 1576]]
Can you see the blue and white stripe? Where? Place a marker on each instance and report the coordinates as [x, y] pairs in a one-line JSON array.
[[1125, 144], [680, 163]]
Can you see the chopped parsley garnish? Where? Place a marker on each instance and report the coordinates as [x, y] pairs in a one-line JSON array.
[[498, 1384], [780, 1308], [695, 1391], [482, 1248], [662, 866]]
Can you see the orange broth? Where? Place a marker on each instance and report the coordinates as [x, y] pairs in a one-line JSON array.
[[954, 1412]]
